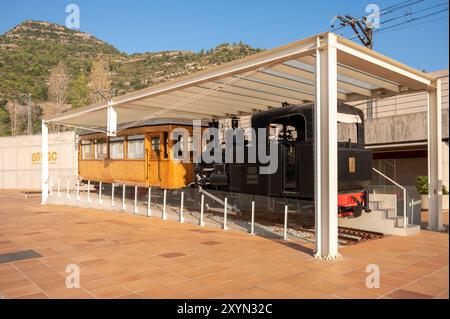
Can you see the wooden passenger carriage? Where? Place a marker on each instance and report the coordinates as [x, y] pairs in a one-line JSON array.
[[139, 156]]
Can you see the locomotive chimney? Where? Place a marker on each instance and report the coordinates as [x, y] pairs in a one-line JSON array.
[[213, 124], [234, 122]]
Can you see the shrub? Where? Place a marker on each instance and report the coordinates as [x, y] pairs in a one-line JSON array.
[[444, 190], [422, 186]]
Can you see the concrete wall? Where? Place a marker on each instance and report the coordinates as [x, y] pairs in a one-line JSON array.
[[20, 161], [401, 128]]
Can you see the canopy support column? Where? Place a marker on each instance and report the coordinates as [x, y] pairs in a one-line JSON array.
[[325, 149], [435, 157], [111, 126], [44, 163]]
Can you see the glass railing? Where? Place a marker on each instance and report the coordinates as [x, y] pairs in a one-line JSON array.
[[273, 217], [395, 200]]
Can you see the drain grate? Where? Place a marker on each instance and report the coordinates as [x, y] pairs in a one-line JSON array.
[[172, 255], [18, 255]]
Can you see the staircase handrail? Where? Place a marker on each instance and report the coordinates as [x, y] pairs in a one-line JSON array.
[[405, 225]]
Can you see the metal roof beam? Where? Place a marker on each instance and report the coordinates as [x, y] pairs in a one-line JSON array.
[[360, 76], [275, 89], [294, 71], [306, 87]]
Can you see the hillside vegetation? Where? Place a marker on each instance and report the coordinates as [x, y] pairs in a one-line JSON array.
[[30, 51]]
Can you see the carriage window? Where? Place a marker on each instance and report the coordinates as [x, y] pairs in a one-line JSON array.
[[86, 150], [166, 144], [155, 144], [100, 149], [180, 143], [116, 148], [135, 147]]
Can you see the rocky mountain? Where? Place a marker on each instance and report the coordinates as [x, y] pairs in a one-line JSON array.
[[30, 50]]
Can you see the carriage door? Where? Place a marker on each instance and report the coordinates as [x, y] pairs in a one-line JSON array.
[[290, 166], [154, 159]]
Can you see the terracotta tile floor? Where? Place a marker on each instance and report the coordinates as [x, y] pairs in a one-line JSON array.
[[125, 256]]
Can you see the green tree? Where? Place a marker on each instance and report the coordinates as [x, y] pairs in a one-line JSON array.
[[5, 121], [79, 92], [37, 119]]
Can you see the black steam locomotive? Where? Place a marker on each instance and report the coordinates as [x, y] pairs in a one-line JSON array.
[[292, 126]]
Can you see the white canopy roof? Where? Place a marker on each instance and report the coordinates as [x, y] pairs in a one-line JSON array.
[[258, 82]]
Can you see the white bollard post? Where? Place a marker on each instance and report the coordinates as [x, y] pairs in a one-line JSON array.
[[164, 215], [135, 199], [202, 204], [112, 194], [182, 208], [68, 188], [149, 205], [78, 190], [285, 221], [89, 192], [59, 187], [225, 214], [100, 200], [252, 228], [123, 197]]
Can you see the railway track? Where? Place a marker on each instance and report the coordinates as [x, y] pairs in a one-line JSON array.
[[346, 236], [349, 236], [357, 235]]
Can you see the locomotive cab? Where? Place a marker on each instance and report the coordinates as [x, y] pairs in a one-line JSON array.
[[292, 126]]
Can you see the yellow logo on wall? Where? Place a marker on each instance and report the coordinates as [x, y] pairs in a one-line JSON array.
[[36, 157]]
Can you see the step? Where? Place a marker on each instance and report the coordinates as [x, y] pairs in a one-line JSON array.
[[408, 231], [398, 220], [380, 205], [375, 221], [389, 212]]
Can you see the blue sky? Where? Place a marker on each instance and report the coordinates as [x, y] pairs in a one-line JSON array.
[[139, 26]]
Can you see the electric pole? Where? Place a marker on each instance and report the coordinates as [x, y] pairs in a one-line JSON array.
[[362, 28], [29, 127], [15, 117]]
